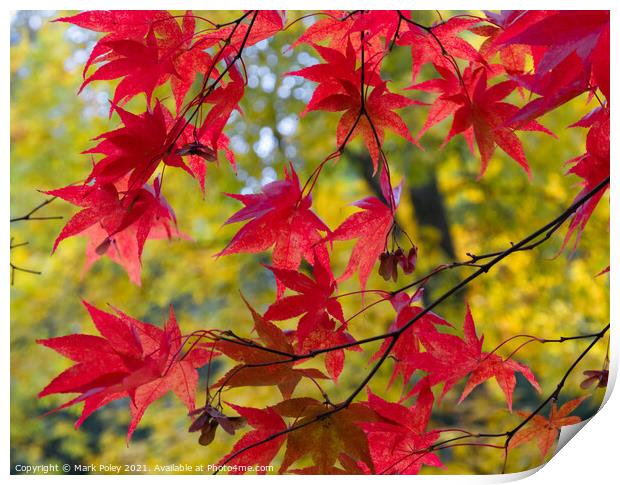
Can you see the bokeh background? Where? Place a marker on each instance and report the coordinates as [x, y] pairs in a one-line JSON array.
[[445, 210]]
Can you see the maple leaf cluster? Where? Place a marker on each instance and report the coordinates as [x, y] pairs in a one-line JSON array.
[[121, 205], [536, 50], [138, 360]]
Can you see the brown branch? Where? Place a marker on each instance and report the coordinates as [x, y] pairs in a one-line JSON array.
[[14, 269], [29, 215]]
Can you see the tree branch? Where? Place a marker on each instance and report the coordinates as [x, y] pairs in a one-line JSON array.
[[29, 215]]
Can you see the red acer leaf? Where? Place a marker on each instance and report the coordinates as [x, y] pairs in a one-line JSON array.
[[562, 33], [398, 439], [600, 63], [115, 225], [408, 345], [333, 26], [135, 149], [559, 86], [316, 329], [370, 227], [123, 248], [325, 333], [341, 29], [378, 23], [324, 440], [545, 431], [266, 24], [314, 298], [140, 66], [449, 86], [146, 56], [252, 369], [479, 111], [488, 116], [592, 167], [280, 217], [225, 100], [378, 116], [562, 41], [131, 358], [186, 52], [448, 359], [265, 422], [512, 57], [338, 77], [118, 25], [425, 47], [339, 90]]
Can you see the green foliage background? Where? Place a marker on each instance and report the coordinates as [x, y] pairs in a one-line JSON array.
[[537, 292]]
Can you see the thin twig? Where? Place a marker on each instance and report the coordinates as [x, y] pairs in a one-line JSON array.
[[29, 215]]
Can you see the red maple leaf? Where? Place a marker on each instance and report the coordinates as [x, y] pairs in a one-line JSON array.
[[426, 47], [569, 48], [339, 89], [562, 33], [316, 329], [118, 25], [450, 87], [341, 29], [408, 344], [378, 115], [334, 27], [338, 76], [266, 24], [280, 217], [314, 298], [253, 370], [225, 99], [326, 332], [377, 23], [149, 50], [140, 64], [512, 57], [398, 439], [592, 167], [479, 111], [117, 225], [123, 247], [187, 53], [545, 431], [325, 439], [370, 227], [265, 422], [449, 359], [131, 359], [135, 149]]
